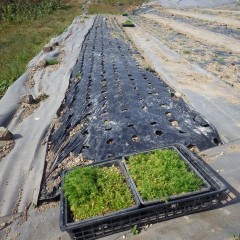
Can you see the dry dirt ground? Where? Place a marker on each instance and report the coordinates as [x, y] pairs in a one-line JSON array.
[[197, 52]]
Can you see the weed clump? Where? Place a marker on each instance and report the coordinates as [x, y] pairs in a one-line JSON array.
[[52, 62], [26, 9], [161, 174], [128, 23], [94, 191]]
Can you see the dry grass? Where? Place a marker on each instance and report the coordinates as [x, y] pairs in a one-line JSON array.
[[112, 6]]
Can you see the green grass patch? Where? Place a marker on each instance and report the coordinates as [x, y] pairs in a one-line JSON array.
[[161, 174], [128, 23], [21, 40], [52, 62], [94, 191]]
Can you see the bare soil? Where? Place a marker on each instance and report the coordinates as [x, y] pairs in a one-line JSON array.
[[5, 148]]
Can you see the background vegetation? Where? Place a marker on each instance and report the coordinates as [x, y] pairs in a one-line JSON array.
[[25, 27], [113, 6]]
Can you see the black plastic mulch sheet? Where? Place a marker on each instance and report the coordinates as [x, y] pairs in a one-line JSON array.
[[125, 108]]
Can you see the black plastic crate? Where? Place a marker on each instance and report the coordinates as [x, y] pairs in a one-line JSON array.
[[205, 188], [108, 225], [65, 213]]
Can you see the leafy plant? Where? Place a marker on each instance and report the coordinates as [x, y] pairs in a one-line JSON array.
[[161, 174], [93, 191], [33, 35], [128, 23], [135, 230]]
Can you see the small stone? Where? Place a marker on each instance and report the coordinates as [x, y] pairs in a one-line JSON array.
[[177, 95], [175, 124], [41, 63], [27, 99], [47, 49], [5, 134], [3, 224]]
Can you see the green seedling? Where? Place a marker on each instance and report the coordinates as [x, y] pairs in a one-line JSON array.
[[135, 230], [128, 23]]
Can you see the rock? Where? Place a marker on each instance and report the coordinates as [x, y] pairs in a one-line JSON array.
[[177, 95], [47, 49], [41, 63], [55, 44], [27, 99], [3, 224], [5, 134]]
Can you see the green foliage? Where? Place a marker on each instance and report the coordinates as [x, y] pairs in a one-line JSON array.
[[27, 9], [128, 23], [161, 174], [21, 40], [135, 230], [52, 62], [93, 191]]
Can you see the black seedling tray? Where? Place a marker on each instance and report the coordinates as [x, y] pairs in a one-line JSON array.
[[65, 212], [205, 188], [114, 223]]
